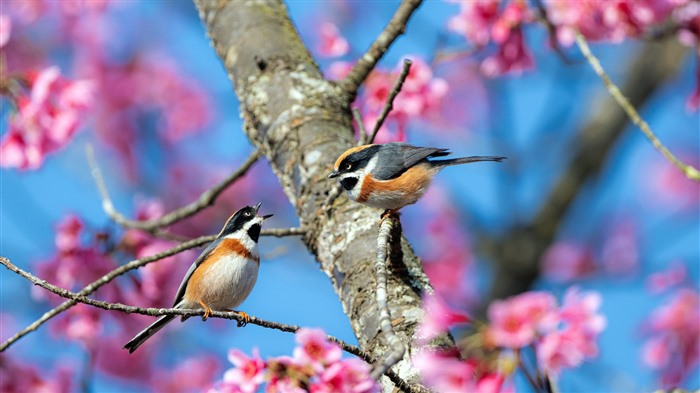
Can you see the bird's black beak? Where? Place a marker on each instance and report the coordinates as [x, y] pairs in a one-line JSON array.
[[334, 174], [257, 207]]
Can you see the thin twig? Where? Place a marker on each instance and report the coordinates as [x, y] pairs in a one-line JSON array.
[[93, 286], [206, 199], [78, 298], [389, 104], [552, 30], [369, 60], [364, 136], [134, 264], [689, 171], [395, 347]]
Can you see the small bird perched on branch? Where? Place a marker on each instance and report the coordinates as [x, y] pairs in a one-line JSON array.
[[392, 175], [222, 277]]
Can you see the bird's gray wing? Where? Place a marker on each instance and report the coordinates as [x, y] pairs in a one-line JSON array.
[[396, 158], [197, 262]]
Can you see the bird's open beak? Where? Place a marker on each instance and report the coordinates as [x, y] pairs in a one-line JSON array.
[[334, 174], [257, 207]]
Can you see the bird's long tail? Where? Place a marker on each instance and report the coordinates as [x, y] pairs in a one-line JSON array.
[[148, 332], [467, 160]]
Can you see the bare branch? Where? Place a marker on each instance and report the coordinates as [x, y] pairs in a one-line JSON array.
[[369, 60], [389, 105], [363, 137], [396, 348], [206, 199], [78, 298], [689, 171], [92, 287]]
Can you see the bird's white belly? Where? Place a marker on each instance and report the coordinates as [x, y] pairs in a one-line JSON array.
[[229, 282]]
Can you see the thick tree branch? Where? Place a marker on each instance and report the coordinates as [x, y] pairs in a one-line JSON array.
[[156, 312], [689, 171], [517, 254], [303, 123], [391, 32], [206, 199]]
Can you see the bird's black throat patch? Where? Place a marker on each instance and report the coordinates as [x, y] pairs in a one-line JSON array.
[[349, 183], [254, 232]]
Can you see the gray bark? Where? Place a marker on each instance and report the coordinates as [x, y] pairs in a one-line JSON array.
[[302, 123]]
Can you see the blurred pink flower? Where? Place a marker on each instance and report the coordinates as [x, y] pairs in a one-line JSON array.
[[673, 347], [558, 350], [248, 372], [16, 377], [668, 186], [68, 233], [5, 29], [513, 56], [566, 261], [515, 322], [46, 119], [620, 251], [474, 20], [439, 318], [113, 360], [314, 349], [332, 44], [346, 376], [612, 20], [195, 374], [661, 281], [444, 373], [339, 70], [580, 311], [80, 323]]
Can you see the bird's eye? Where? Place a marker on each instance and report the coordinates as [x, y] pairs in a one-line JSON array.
[[348, 166], [247, 214]]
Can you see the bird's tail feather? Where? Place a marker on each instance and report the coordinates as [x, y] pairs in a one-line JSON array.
[[467, 160], [148, 332]]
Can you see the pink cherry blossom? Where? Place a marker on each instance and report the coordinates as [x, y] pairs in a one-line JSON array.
[[516, 322], [248, 372], [444, 373], [661, 281], [565, 261], [619, 254], [558, 350], [16, 377], [46, 120], [346, 376], [193, 374], [314, 348], [474, 20], [5, 29], [673, 346], [339, 70], [439, 318], [580, 310], [513, 56], [331, 44], [80, 323]]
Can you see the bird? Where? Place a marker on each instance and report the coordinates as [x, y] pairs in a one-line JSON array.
[[222, 277], [392, 175]]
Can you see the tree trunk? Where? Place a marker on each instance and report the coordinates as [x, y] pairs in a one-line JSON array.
[[303, 122]]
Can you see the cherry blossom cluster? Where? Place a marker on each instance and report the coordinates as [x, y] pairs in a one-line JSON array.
[[124, 94], [316, 366], [561, 337], [673, 329], [48, 114]]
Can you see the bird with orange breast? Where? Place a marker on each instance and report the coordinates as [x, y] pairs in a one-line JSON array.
[[392, 175], [222, 277]]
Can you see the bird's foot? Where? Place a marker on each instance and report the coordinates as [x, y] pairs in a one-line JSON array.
[[389, 214], [245, 318], [207, 310]]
